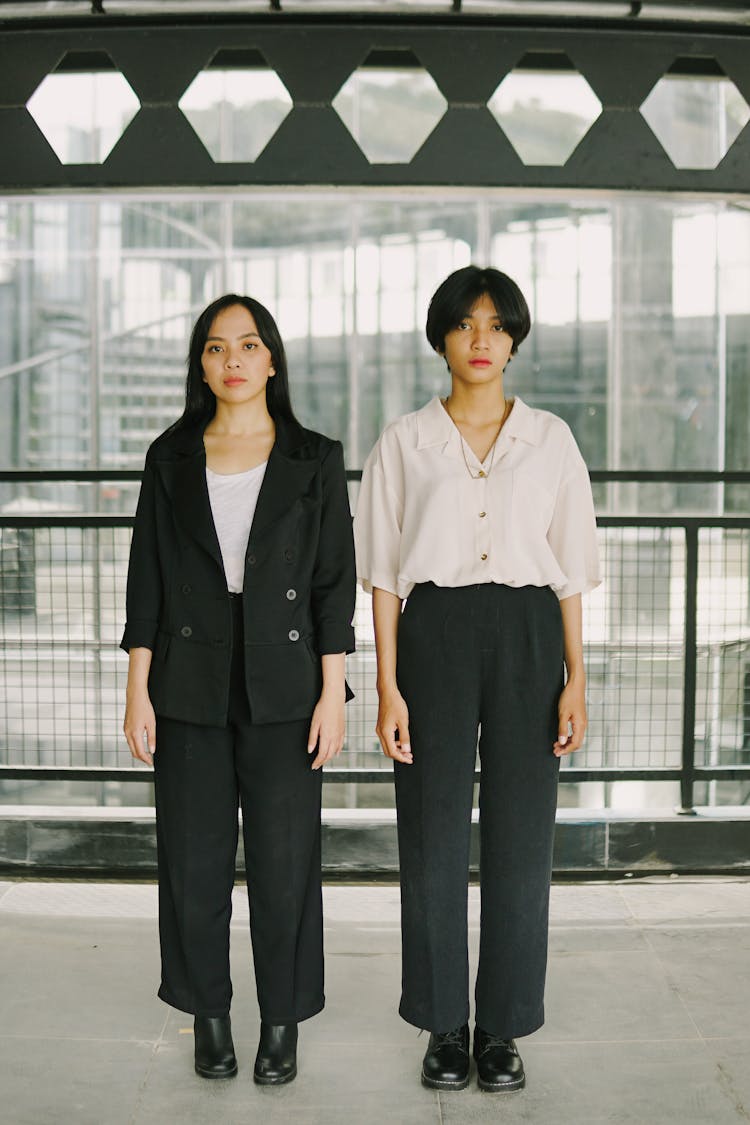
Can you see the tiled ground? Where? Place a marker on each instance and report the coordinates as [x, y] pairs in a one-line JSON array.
[[648, 1015]]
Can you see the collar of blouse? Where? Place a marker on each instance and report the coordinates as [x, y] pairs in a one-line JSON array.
[[435, 427]]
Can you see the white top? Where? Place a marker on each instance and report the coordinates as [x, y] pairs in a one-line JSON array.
[[233, 499], [421, 516]]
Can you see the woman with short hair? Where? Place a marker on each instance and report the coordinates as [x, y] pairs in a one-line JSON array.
[[476, 512]]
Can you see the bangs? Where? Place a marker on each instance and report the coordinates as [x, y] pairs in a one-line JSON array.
[[456, 297], [469, 303]]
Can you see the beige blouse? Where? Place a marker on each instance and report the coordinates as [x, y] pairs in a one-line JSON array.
[[423, 516]]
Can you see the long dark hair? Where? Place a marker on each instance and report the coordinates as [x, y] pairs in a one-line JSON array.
[[200, 400]]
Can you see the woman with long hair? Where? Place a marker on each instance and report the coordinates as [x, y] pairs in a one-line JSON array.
[[476, 512], [240, 598]]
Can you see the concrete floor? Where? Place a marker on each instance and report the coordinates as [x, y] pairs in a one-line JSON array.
[[648, 1015]]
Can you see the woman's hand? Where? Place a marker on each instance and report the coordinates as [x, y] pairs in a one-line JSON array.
[[571, 709], [327, 726], [140, 726], [393, 726]]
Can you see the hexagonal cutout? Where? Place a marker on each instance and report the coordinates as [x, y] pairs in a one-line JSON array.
[[545, 107], [236, 105], [83, 107], [390, 105], [696, 112]]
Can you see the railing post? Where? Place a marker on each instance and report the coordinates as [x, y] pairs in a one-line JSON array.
[[687, 777]]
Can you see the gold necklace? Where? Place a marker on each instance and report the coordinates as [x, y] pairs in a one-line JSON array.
[[481, 474]]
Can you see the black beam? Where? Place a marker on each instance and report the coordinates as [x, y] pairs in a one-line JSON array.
[[363, 775], [313, 147], [598, 476]]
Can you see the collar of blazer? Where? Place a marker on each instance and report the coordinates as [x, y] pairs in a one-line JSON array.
[[180, 460]]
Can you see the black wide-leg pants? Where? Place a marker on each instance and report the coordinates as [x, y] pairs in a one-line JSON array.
[[478, 660], [202, 774]]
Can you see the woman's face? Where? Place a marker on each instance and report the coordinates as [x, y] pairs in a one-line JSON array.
[[236, 363], [478, 349]]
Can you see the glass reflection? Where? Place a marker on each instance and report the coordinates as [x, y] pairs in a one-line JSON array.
[[236, 112], [83, 115], [640, 338], [544, 114], [696, 118], [390, 112]]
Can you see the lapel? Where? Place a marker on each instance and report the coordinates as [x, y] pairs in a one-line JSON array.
[[185, 481], [286, 478]]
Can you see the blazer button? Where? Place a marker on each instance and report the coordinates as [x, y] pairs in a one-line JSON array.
[[291, 595], [187, 588], [293, 635], [288, 555], [186, 631], [251, 559]]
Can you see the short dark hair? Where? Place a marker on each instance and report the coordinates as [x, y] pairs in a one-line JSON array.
[[454, 299], [200, 401]]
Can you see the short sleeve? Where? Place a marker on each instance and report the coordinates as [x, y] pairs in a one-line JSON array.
[[378, 518], [572, 531]]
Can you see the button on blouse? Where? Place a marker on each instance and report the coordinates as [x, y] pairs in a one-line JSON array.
[[425, 514]]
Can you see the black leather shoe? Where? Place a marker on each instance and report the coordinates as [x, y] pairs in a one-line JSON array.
[[214, 1050], [446, 1064], [499, 1065], [276, 1061]]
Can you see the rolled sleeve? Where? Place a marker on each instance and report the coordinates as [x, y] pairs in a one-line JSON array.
[[144, 586], [572, 532], [138, 634], [334, 583]]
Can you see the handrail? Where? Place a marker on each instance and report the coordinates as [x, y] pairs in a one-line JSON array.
[[598, 476], [687, 773], [106, 519]]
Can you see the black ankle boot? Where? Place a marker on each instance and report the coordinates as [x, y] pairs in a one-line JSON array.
[[446, 1064], [499, 1065], [276, 1060], [214, 1050]]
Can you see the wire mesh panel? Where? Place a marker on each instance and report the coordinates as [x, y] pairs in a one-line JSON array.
[[722, 714], [634, 631], [61, 673]]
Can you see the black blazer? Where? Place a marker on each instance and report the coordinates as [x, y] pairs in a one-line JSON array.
[[299, 582]]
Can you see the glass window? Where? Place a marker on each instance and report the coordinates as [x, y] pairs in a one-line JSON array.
[[84, 107], [696, 116], [640, 341], [236, 105], [640, 336], [545, 107], [390, 87]]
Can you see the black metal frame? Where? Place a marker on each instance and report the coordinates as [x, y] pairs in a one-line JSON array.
[[687, 774], [314, 57]]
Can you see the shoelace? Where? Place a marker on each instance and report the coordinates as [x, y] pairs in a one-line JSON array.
[[491, 1041], [454, 1038]]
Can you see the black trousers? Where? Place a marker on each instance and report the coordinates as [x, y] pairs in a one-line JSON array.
[[485, 660], [202, 774]]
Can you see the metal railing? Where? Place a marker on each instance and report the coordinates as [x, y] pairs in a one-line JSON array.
[[668, 647]]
